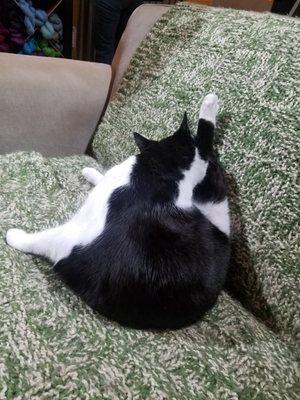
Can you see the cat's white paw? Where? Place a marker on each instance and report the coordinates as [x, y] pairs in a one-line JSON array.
[[211, 101], [209, 108], [92, 175], [17, 238]]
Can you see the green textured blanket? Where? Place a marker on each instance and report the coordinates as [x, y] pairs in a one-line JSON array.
[[52, 346], [252, 62]]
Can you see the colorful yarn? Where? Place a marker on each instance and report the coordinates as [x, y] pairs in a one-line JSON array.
[[39, 47], [29, 12], [16, 37], [41, 17], [43, 46], [47, 31], [51, 28], [57, 25], [29, 47], [10, 39], [12, 36]]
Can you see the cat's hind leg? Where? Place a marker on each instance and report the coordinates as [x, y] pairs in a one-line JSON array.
[[88, 223], [54, 244]]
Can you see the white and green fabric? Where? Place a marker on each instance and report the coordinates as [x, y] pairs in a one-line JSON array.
[[52, 346]]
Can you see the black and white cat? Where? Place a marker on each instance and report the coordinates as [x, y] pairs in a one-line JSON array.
[[150, 246]]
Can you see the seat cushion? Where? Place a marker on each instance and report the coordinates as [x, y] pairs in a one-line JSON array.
[[53, 346], [251, 61]]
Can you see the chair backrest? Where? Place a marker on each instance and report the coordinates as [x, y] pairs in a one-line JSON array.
[[50, 105], [139, 24]]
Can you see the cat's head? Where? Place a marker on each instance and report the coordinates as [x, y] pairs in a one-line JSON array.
[[162, 164], [171, 153]]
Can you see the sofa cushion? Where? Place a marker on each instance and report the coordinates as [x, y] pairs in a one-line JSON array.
[[251, 61]]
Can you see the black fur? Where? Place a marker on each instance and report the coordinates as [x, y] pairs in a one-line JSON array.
[[155, 265]]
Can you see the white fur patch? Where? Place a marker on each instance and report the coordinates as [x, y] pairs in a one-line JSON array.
[[87, 224], [92, 175], [209, 108], [217, 214], [192, 177]]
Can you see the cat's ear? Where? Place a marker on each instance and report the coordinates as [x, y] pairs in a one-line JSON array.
[[184, 127], [142, 142]]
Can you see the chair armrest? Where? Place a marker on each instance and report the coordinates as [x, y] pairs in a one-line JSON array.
[[50, 105]]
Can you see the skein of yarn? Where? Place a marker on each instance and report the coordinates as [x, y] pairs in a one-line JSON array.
[[47, 30], [40, 17], [51, 28], [10, 39], [29, 47], [43, 47], [29, 12], [16, 37], [57, 25], [16, 23], [39, 47]]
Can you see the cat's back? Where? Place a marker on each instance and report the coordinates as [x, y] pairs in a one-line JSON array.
[[153, 266]]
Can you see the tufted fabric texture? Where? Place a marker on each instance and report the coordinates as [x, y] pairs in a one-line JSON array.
[[251, 61], [52, 346]]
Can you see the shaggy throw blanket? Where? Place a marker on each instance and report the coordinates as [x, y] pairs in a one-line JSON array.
[[52, 346]]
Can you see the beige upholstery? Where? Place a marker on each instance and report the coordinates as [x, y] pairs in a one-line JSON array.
[[50, 105], [53, 105], [139, 24]]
